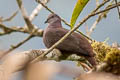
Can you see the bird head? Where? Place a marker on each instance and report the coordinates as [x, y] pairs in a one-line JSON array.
[[52, 18]]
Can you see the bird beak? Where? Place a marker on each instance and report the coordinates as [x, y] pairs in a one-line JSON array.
[[46, 21]]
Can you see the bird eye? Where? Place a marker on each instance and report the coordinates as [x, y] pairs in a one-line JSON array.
[[52, 17]]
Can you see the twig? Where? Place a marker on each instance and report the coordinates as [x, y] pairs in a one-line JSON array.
[[102, 4], [28, 22], [25, 16], [86, 28], [84, 35], [72, 30], [11, 17], [62, 19], [20, 61], [102, 10], [97, 2], [96, 13], [101, 16], [37, 9], [85, 66], [118, 9], [51, 11], [107, 9], [19, 44], [94, 24], [8, 30], [1, 19]]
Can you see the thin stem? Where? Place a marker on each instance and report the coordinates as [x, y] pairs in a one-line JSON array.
[[71, 31], [118, 8], [19, 44]]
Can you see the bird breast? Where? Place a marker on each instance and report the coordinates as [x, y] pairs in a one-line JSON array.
[[50, 37]]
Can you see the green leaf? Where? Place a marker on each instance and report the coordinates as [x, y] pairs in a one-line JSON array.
[[77, 10]]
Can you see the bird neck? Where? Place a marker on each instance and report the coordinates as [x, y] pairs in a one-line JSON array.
[[56, 24]]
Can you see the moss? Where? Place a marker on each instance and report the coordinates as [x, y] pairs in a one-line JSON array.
[[101, 50], [113, 60], [109, 55], [113, 57]]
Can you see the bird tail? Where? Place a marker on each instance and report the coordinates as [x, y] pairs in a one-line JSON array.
[[91, 60]]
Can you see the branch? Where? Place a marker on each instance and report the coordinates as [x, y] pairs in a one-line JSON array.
[[21, 61], [98, 76], [15, 63], [101, 16], [25, 16], [37, 9], [99, 6], [11, 17], [73, 29], [109, 8], [118, 8], [85, 66], [51, 11], [62, 19], [28, 22], [8, 30], [32, 54], [13, 47]]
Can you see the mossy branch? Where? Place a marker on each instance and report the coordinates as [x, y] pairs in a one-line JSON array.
[[108, 57]]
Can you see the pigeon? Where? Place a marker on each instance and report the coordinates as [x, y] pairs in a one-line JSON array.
[[74, 43]]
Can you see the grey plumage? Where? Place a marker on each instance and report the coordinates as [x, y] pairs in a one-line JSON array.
[[75, 43]]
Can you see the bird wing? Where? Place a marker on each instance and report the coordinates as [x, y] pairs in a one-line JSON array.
[[84, 44], [74, 43]]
